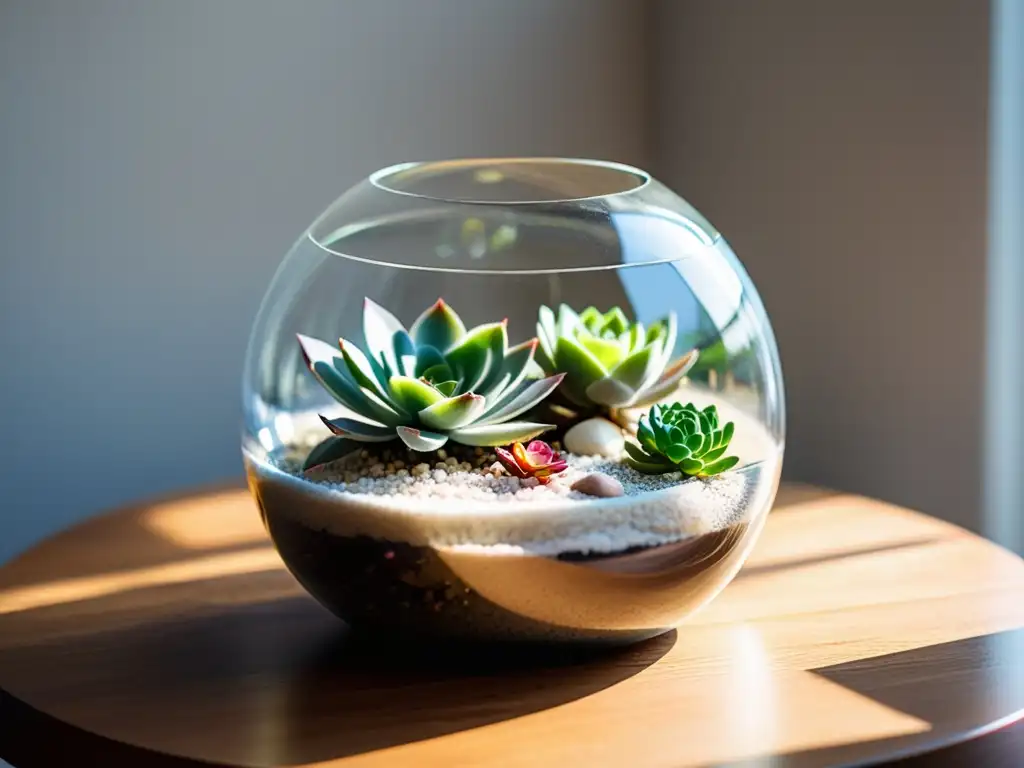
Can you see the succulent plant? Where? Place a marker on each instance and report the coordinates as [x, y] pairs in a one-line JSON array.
[[538, 459], [681, 437], [608, 361], [433, 382]]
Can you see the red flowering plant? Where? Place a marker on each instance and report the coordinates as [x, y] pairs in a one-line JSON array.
[[538, 459]]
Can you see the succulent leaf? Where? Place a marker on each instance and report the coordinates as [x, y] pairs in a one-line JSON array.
[[453, 412], [472, 358], [591, 318], [521, 399], [646, 436], [428, 357], [413, 394], [610, 392], [721, 466], [636, 452], [421, 439], [580, 367], [714, 454], [668, 382], [447, 388], [608, 352], [615, 322], [499, 434], [637, 337], [691, 466], [682, 437], [359, 430], [636, 370], [568, 322], [356, 399], [328, 450], [405, 353], [364, 374], [546, 336], [379, 330], [439, 327], [514, 368]]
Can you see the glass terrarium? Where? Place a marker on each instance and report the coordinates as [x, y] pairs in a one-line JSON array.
[[513, 399]]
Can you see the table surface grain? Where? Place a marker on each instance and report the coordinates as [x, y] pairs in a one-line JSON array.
[[169, 633]]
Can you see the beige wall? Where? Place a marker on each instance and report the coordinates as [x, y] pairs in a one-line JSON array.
[[841, 148], [158, 158]]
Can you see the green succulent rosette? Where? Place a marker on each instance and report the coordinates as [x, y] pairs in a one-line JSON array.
[[684, 438], [436, 381], [608, 361]]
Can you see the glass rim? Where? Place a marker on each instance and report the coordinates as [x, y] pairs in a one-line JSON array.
[[638, 176]]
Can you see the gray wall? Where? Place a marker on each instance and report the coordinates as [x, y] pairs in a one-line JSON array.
[[841, 148], [158, 158]]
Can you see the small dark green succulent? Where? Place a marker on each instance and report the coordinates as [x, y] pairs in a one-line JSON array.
[[433, 382], [681, 437]]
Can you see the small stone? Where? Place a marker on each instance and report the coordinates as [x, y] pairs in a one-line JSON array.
[[595, 437], [598, 484]]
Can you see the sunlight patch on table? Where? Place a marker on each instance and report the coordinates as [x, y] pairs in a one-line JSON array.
[[90, 587]]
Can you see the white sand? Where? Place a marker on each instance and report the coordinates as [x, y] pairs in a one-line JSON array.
[[471, 510]]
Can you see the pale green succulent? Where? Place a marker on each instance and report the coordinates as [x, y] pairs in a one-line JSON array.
[[608, 361], [432, 383]]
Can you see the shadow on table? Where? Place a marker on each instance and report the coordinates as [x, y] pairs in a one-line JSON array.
[[272, 683], [984, 675]]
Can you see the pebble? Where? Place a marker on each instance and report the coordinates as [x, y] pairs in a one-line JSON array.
[[598, 484], [595, 437]]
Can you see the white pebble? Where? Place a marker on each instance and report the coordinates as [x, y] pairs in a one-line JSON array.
[[595, 437]]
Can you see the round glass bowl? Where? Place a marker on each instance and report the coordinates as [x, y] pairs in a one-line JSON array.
[[436, 315]]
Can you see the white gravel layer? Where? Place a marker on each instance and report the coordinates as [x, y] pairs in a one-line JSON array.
[[504, 515]]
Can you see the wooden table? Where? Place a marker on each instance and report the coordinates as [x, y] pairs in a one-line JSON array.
[[169, 633]]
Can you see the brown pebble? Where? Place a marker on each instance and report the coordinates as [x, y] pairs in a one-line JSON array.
[[598, 484], [442, 453]]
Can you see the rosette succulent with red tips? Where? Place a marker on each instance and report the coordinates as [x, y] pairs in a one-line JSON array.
[[538, 459], [436, 381]]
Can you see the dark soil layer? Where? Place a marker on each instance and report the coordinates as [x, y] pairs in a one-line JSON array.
[[400, 588]]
